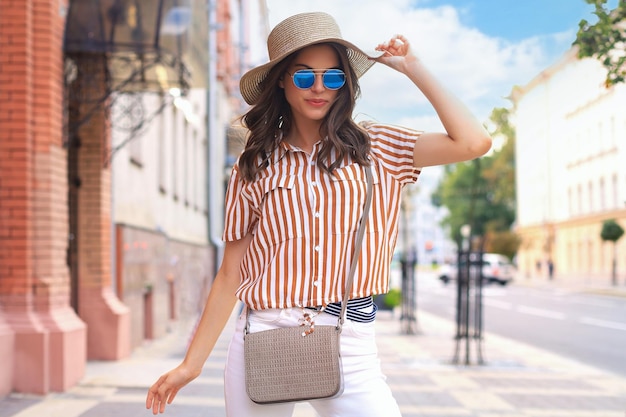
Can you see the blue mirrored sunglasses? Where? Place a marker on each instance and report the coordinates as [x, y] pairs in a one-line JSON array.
[[333, 79]]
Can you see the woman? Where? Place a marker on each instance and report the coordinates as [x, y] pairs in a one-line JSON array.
[[294, 202]]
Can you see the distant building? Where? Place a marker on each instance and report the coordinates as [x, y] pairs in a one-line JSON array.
[[163, 257], [169, 185], [571, 171]]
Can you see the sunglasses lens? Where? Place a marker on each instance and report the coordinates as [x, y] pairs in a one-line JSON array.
[[304, 79], [334, 79]]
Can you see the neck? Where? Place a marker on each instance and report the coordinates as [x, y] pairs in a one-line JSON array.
[[304, 136]]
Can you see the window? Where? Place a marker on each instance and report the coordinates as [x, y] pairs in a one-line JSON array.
[[161, 167], [185, 160], [202, 177], [570, 201], [174, 155], [613, 137], [615, 192], [580, 199], [601, 138], [134, 146], [602, 195], [195, 172]]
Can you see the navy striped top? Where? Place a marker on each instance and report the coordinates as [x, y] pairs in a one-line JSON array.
[[361, 310]]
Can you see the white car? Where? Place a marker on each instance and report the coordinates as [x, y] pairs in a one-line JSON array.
[[447, 272], [496, 269]]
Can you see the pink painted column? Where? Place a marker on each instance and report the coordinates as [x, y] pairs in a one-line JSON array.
[[41, 335], [106, 316], [7, 341]]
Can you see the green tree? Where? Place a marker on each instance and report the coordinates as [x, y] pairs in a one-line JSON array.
[[499, 236], [501, 172], [463, 192], [481, 192], [612, 232], [605, 40]]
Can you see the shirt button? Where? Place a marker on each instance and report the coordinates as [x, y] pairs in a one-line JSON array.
[[317, 248], [313, 184], [317, 214], [316, 283]]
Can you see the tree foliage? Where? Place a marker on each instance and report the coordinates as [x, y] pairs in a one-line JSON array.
[[481, 192], [501, 172], [605, 40], [611, 231]]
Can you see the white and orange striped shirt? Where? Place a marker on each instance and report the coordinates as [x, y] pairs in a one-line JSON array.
[[304, 222]]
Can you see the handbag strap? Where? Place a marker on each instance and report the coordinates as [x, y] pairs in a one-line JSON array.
[[358, 244]]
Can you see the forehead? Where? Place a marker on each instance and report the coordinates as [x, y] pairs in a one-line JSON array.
[[317, 56]]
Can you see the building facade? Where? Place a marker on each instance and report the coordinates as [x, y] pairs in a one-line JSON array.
[[98, 227], [571, 171], [168, 186], [164, 261]]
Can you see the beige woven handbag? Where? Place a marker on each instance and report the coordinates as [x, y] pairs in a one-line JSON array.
[[292, 364]]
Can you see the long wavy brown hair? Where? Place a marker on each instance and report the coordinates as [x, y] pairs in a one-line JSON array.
[[272, 114]]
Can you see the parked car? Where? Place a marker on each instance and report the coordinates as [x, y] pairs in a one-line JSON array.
[[447, 272], [496, 269]]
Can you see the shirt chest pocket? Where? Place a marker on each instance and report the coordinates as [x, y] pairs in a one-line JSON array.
[[347, 199], [277, 206]]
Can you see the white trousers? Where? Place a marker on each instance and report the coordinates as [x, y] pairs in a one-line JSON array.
[[366, 393]]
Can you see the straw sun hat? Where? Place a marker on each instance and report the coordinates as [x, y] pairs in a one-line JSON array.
[[295, 33]]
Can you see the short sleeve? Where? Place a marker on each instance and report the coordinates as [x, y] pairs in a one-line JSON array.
[[393, 146], [239, 218]]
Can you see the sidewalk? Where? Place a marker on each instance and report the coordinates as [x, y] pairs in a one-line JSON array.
[[598, 284], [516, 380]]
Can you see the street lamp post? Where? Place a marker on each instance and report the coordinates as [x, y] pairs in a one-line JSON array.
[[408, 317], [468, 310]]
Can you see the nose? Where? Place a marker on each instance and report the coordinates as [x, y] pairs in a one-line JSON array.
[[318, 84]]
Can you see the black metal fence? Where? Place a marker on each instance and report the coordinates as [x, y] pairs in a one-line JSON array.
[[408, 319], [469, 307]]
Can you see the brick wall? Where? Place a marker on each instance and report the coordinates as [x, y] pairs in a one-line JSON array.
[[45, 337], [16, 149], [89, 143]]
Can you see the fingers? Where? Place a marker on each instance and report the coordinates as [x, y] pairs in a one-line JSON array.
[[172, 396], [153, 401], [151, 398], [163, 403], [164, 390], [398, 45], [401, 38], [159, 395]]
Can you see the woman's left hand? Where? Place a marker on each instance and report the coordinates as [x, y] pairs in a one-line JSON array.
[[397, 53], [465, 138]]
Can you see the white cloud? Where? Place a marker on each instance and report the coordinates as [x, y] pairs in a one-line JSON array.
[[480, 69]]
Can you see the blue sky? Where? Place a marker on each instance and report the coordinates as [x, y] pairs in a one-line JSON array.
[[519, 20], [516, 20], [480, 49]]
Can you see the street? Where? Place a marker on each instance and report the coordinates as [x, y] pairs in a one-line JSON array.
[[577, 325], [516, 379]]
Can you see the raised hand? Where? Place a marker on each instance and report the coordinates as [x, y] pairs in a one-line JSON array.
[[397, 53]]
